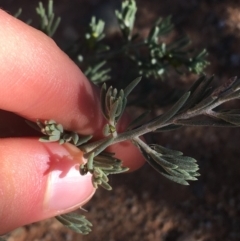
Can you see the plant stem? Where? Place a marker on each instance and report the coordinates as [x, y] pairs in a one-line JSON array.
[[150, 127]]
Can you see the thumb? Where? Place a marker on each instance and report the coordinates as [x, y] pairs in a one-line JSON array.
[[40, 183]]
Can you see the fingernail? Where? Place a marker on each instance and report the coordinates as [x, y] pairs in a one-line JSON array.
[[68, 190]]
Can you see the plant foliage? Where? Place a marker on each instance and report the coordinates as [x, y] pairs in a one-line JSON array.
[[149, 57]]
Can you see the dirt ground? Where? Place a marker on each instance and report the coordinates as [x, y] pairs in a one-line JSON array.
[[143, 205]]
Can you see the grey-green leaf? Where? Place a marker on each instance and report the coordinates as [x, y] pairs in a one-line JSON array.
[[169, 114], [139, 119], [75, 222], [165, 150], [131, 86]]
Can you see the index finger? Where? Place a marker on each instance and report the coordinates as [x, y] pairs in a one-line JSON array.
[[39, 81]]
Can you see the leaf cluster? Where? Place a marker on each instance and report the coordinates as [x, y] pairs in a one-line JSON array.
[[171, 164], [149, 57], [113, 103], [54, 132], [48, 23], [100, 166], [126, 18], [77, 223]]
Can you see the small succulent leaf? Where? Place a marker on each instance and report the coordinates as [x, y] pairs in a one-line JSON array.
[[236, 85], [176, 173], [205, 122], [165, 25], [161, 161], [74, 137], [231, 118], [113, 110], [45, 139], [121, 94], [112, 101], [123, 105], [204, 103], [131, 86], [105, 185], [102, 158], [50, 122], [199, 93], [225, 88], [116, 171], [168, 128], [169, 114], [90, 161], [194, 174], [114, 94], [97, 172], [191, 178], [55, 132], [233, 111], [187, 159], [153, 34], [59, 127], [108, 99], [104, 176], [108, 154], [151, 162], [55, 137], [119, 108], [75, 222], [232, 96], [102, 99], [175, 179], [106, 130], [83, 140], [102, 146], [196, 84], [138, 120], [16, 15], [102, 165], [98, 66], [181, 163], [165, 151]]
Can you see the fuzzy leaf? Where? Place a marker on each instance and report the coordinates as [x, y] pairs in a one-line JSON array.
[[204, 122], [169, 114], [131, 86], [102, 146], [231, 118], [113, 110], [200, 89], [138, 120], [75, 222], [83, 140], [168, 128], [160, 160], [166, 151], [102, 99], [175, 179]]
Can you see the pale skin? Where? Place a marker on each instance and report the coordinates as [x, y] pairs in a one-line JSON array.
[[37, 80]]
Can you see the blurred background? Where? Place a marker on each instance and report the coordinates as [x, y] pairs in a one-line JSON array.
[[144, 205]]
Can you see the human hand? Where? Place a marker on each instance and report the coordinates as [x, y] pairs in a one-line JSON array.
[[37, 80]]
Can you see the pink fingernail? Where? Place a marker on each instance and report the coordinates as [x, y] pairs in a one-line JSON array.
[[67, 190]]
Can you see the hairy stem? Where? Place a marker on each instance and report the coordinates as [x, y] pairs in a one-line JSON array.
[[150, 127]]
